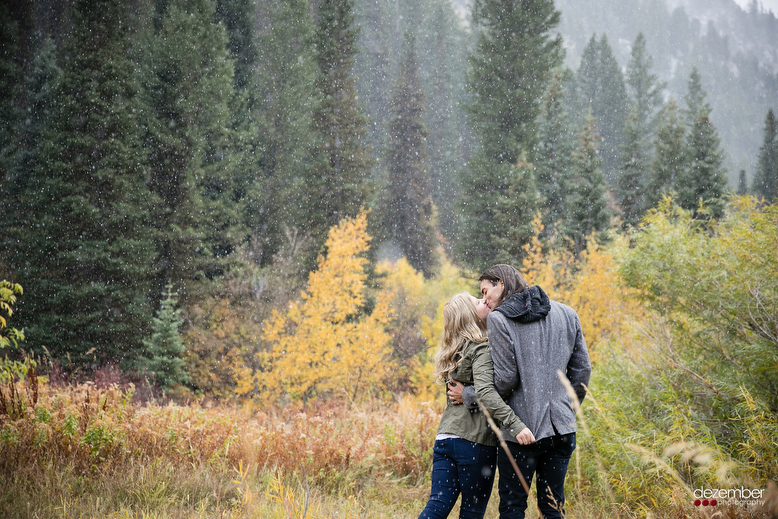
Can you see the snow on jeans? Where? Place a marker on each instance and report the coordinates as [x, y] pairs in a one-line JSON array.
[[460, 466]]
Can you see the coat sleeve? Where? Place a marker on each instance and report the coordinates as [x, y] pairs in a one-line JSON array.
[[506, 371], [483, 376], [579, 367], [469, 398]]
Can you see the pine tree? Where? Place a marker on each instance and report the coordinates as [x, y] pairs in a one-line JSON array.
[[40, 86], [238, 19], [704, 180], [444, 84], [515, 213], [408, 216], [340, 185], [87, 258], [189, 85], [163, 350], [670, 155], [630, 190], [765, 183], [506, 99], [40, 91], [587, 204], [646, 92], [10, 90], [600, 88], [742, 183], [553, 156], [442, 48], [695, 95], [507, 92], [498, 211], [586, 85], [373, 67], [612, 110], [287, 98]]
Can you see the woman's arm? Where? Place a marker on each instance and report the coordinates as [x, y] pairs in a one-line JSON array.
[[483, 376]]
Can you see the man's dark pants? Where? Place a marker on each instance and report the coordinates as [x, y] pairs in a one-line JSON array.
[[548, 458]]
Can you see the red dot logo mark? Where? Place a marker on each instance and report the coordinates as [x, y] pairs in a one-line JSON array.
[[697, 502], [713, 502]]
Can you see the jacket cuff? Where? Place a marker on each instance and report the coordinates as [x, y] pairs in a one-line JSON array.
[[468, 398], [514, 427]]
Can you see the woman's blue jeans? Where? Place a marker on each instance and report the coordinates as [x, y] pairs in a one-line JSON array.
[[548, 458], [460, 466]]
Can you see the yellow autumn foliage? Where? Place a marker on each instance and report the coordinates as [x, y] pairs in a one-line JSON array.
[[591, 286], [325, 344], [417, 309], [217, 343]]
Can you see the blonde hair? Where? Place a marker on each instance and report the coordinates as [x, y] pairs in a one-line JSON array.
[[460, 324]]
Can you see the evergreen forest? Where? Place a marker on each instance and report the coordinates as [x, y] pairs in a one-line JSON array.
[[247, 215]]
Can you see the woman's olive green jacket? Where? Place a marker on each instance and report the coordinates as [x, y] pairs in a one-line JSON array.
[[475, 369]]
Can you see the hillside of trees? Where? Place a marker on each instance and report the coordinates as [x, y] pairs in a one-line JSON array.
[[198, 153], [736, 53], [735, 50]]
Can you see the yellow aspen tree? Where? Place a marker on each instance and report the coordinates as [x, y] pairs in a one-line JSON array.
[[549, 268], [418, 312], [405, 288], [609, 310], [591, 285], [417, 320], [325, 345]]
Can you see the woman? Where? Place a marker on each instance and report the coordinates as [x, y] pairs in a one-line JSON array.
[[465, 452], [533, 340]]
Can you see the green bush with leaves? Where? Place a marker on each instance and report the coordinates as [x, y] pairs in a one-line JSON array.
[[10, 338], [15, 394], [8, 293], [712, 374], [716, 285], [691, 401]]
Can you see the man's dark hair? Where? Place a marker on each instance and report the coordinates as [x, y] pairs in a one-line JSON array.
[[513, 281]]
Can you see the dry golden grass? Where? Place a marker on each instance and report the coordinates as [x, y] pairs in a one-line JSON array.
[[98, 453], [89, 452], [92, 429]]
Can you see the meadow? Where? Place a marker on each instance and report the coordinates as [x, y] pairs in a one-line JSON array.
[[681, 325], [83, 451]]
